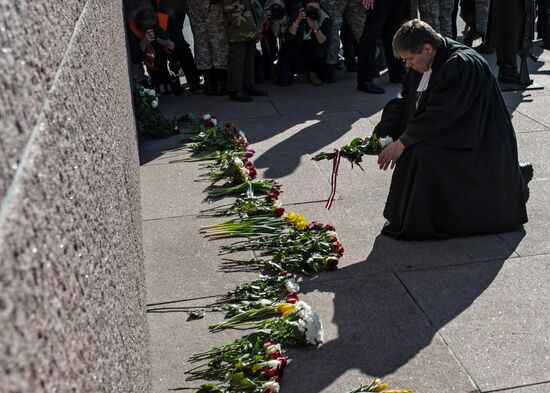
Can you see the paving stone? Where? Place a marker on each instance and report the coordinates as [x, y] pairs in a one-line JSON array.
[[536, 109], [522, 123], [544, 387], [372, 329], [161, 151], [180, 263], [534, 147], [174, 340], [533, 239], [493, 317]]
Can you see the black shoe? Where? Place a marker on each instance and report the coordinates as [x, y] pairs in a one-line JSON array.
[[241, 96], [483, 48], [255, 91], [527, 171], [370, 87]]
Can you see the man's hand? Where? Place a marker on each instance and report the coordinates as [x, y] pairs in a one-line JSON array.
[[389, 155], [312, 24], [168, 44], [368, 4], [148, 37]]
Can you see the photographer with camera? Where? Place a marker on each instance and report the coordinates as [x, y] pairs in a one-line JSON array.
[[273, 32], [305, 46], [150, 44]]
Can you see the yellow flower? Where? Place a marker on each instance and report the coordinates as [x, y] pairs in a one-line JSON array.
[[380, 388], [376, 381], [285, 308], [290, 216]]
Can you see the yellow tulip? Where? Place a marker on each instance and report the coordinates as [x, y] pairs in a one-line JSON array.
[[380, 388], [285, 308], [376, 381]]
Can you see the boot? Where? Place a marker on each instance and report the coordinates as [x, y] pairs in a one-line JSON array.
[[526, 170], [507, 66], [209, 81], [221, 82]]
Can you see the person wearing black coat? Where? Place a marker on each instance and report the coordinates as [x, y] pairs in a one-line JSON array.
[[455, 155], [507, 26]]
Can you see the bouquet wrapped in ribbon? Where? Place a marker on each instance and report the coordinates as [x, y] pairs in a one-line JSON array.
[[213, 138], [353, 152]]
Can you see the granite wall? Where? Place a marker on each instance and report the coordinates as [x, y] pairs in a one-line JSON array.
[[72, 293]]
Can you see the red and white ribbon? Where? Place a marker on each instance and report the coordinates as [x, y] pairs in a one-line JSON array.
[[335, 165]]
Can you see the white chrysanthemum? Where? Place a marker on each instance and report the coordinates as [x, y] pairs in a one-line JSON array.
[[277, 203], [206, 116], [292, 286], [302, 325], [314, 332], [303, 306], [155, 103], [271, 385], [386, 141], [151, 92], [273, 348], [332, 234], [214, 121]]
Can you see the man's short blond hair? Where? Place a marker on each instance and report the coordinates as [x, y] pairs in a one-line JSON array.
[[413, 35]]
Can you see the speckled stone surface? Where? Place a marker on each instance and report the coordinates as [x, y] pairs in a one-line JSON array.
[[72, 304]]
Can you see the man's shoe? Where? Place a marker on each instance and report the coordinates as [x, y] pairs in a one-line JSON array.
[[527, 171], [370, 87], [255, 91], [314, 79], [240, 97]]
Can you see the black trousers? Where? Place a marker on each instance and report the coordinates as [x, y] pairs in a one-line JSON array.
[[240, 66], [309, 56], [382, 22], [181, 49]]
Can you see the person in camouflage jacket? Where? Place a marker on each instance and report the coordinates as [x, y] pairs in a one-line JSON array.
[[243, 20]]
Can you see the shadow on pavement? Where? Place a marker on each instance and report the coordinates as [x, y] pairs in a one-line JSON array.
[[379, 325]]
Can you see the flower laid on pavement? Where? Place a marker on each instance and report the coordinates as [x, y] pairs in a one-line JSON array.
[[377, 386], [357, 148], [150, 121], [312, 250], [248, 206], [247, 188]]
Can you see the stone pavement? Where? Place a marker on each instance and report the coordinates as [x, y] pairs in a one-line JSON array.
[[462, 315]]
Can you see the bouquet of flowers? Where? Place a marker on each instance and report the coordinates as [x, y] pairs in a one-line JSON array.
[[212, 139], [249, 364], [248, 188], [355, 151], [308, 251], [250, 206], [236, 169], [377, 386], [150, 121]]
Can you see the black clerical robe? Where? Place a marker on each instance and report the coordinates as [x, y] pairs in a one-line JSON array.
[[459, 173]]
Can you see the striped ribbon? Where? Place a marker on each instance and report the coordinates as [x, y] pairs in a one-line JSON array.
[[335, 165]]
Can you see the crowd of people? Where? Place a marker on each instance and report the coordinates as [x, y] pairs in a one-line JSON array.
[[308, 37]]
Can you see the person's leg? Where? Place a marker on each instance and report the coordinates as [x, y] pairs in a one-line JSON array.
[[285, 73], [249, 76], [507, 66], [374, 26], [235, 67], [429, 13], [394, 19], [445, 17], [198, 13], [354, 15], [218, 42]]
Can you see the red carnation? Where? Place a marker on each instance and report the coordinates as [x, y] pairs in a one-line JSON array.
[[329, 227], [210, 124], [252, 173], [268, 344], [292, 298], [279, 211]]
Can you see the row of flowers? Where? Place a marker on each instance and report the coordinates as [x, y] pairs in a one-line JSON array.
[[286, 244]]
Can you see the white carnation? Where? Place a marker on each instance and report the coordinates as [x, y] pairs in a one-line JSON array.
[[238, 162], [271, 385], [269, 363], [214, 121], [206, 116], [332, 234], [151, 92], [155, 103], [265, 302], [292, 286]]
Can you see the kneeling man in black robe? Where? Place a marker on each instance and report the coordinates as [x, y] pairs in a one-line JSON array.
[[455, 152]]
